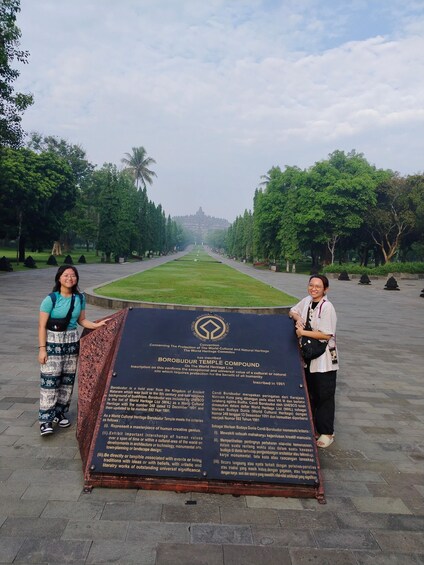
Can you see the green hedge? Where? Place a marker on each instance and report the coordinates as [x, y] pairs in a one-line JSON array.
[[355, 269]]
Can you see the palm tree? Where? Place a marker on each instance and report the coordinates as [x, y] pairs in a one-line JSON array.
[[266, 179], [137, 163]]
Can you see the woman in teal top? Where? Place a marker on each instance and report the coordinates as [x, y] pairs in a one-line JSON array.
[[58, 350]]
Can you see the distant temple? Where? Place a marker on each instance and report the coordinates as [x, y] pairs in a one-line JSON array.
[[200, 224]]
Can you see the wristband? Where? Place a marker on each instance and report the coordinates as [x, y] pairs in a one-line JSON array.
[[41, 346]]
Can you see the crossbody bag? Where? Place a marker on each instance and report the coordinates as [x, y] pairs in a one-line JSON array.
[[60, 324], [310, 347]]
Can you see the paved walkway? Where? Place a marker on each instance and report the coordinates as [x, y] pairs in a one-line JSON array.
[[373, 473]]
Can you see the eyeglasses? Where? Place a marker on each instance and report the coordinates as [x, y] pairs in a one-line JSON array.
[[68, 277]]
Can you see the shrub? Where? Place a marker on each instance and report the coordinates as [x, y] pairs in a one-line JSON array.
[[30, 263], [82, 259], [355, 269], [364, 279], [344, 276], [5, 264], [68, 260], [52, 260]]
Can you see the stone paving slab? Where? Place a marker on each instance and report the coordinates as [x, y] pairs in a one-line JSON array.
[[9, 548], [346, 539], [130, 511], [401, 542], [83, 529], [277, 503], [384, 558], [322, 557], [221, 534], [373, 473], [51, 551], [87, 508], [156, 532], [124, 553], [381, 504], [33, 527], [192, 514], [283, 537], [183, 554], [242, 555]]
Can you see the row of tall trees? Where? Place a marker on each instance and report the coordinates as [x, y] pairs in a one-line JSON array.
[[342, 205], [49, 191]]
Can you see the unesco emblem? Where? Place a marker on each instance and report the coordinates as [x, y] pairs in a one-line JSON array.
[[210, 327]]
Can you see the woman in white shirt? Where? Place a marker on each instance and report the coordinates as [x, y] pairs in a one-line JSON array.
[[320, 373]]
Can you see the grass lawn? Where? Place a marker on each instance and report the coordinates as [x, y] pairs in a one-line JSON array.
[[196, 279], [41, 258]]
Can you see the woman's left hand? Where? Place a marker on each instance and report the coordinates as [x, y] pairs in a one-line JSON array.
[[299, 331], [300, 326]]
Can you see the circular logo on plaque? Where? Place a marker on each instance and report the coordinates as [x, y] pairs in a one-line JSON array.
[[210, 327]]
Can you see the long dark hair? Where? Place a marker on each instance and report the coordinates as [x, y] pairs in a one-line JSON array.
[[60, 272], [322, 278]]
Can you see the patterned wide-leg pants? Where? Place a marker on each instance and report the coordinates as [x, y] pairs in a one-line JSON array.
[[58, 374]]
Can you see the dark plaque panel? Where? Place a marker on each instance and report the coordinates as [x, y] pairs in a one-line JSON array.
[[216, 396]]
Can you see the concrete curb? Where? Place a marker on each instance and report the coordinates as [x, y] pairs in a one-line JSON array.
[[119, 303]]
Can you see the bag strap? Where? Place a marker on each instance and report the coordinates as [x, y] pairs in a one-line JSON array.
[[308, 316], [320, 307], [308, 326], [53, 298], [71, 307]]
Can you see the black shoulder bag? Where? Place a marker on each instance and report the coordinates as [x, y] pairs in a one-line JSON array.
[[60, 324], [310, 347]]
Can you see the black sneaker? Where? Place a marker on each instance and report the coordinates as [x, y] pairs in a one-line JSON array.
[[46, 428], [61, 420]]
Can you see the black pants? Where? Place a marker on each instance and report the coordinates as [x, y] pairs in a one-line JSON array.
[[322, 390]]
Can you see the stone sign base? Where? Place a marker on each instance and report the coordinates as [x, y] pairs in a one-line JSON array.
[[212, 487]]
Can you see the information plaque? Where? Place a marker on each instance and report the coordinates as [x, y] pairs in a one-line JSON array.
[[206, 396]]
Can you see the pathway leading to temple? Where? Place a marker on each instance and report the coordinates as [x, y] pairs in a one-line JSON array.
[[373, 473]]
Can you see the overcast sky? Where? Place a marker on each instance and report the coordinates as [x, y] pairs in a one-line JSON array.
[[219, 91]]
